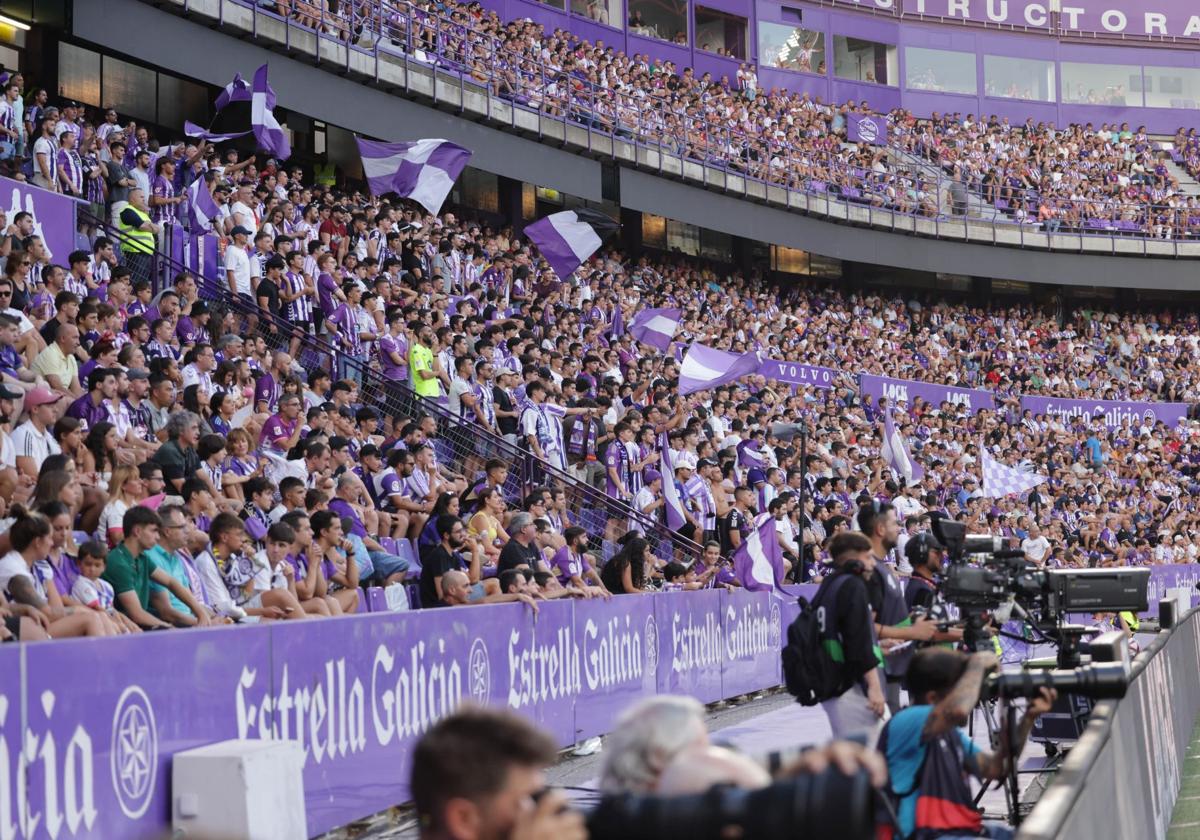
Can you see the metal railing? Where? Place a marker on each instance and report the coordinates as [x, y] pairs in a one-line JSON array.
[[460, 446], [383, 36]]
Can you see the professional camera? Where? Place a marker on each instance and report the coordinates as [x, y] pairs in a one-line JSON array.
[[828, 804], [1003, 580], [1099, 681]]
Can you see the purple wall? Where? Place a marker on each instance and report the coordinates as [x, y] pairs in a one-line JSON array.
[[883, 27]]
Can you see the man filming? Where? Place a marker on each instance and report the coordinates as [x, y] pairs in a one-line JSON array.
[[929, 757], [924, 553]]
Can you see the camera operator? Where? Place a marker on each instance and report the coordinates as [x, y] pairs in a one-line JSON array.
[[848, 629], [477, 775], [925, 554], [893, 622], [929, 757]]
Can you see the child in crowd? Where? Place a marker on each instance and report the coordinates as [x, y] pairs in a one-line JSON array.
[[90, 589]]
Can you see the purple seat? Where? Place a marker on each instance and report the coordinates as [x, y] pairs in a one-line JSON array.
[[414, 596], [376, 600]]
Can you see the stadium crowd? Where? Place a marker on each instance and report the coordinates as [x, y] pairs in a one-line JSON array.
[[1109, 178], [184, 457]]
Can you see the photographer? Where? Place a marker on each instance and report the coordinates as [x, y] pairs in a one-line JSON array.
[[929, 757], [478, 774], [921, 594], [848, 632], [893, 622]]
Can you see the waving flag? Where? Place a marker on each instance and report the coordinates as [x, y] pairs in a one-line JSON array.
[[895, 452], [267, 131], [567, 239], [758, 562], [424, 170], [235, 91], [193, 130], [617, 328], [202, 209], [673, 506], [705, 367], [1002, 480], [656, 327]]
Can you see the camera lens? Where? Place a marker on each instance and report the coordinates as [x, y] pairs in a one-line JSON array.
[[1101, 681]]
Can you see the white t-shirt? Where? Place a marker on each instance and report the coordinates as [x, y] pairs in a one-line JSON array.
[[112, 518], [13, 565], [8, 452], [238, 261], [644, 498], [1036, 550], [28, 442]]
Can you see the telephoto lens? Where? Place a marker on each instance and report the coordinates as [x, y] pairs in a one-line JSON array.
[[1099, 681], [825, 805]]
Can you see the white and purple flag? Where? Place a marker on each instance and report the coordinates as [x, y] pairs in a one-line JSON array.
[[758, 561], [617, 328], [268, 133], [424, 170], [867, 128], [202, 208], [235, 91], [674, 507], [895, 452], [999, 479], [567, 239], [706, 367], [656, 327]]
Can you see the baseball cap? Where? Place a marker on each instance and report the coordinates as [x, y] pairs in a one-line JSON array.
[[7, 393], [134, 374], [652, 476], [42, 396], [239, 229]]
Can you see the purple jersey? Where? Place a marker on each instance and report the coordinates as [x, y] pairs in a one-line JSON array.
[[569, 564], [277, 431], [388, 345]]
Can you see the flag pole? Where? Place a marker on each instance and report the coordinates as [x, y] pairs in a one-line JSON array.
[[799, 577]]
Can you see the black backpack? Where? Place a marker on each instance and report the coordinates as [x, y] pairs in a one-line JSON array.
[[809, 672]]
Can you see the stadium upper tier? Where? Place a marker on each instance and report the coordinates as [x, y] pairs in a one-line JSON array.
[[1106, 186]]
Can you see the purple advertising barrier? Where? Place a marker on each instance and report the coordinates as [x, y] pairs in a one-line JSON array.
[[752, 625], [691, 644], [798, 373], [616, 646], [53, 215], [1112, 412], [105, 717], [867, 128], [897, 390]]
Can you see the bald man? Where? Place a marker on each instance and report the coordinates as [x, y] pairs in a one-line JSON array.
[[458, 591]]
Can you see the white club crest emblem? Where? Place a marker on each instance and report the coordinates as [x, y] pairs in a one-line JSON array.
[[134, 752], [480, 671]]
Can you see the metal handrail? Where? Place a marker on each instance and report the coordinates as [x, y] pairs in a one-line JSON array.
[[527, 472], [395, 22]]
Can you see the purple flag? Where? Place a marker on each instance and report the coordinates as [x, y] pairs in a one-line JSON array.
[[267, 131], [617, 328], [706, 367], [235, 91], [193, 130], [424, 170], [867, 128], [656, 327], [674, 507], [202, 209], [758, 562], [567, 239]]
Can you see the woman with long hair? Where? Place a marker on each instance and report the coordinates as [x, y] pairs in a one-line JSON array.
[[447, 503], [485, 524], [26, 578], [100, 452], [17, 269], [625, 573], [127, 489]]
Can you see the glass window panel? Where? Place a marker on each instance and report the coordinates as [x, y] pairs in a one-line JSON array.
[[715, 245], [663, 19], [654, 231], [791, 48], [481, 190], [555, 4], [1172, 87], [683, 238], [1019, 78], [789, 260], [180, 100], [129, 88], [940, 70], [721, 33], [601, 11], [865, 61], [79, 74], [1101, 84]]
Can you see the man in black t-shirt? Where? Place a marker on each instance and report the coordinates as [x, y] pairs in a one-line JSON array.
[[735, 524], [442, 557], [521, 550]]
